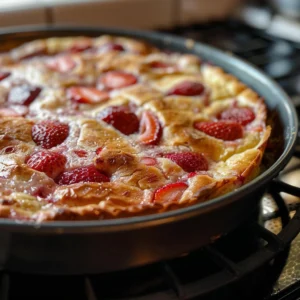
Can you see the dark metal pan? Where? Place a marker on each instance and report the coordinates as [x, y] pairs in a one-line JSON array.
[[66, 247]]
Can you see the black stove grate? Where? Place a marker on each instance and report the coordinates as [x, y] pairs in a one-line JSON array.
[[244, 265], [188, 277]]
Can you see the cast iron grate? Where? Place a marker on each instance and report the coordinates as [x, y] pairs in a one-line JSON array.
[[235, 258]]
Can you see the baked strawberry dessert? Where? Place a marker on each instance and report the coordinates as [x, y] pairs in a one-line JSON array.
[[111, 127]]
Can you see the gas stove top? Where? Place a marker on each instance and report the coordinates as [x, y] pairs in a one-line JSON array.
[[250, 263]]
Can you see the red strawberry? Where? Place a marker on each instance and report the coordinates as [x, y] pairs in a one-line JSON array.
[[189, 161], [112, 47], [81, 46], [51, 163], [87, 95], [41, 192], [62, 64], [80, 153], [158, 64], [8, 149], [3, 75], [48, 134], [121, 119], [170, 193], [224, 130], [82, 174], [117, 79], [148, 161], [187, 88], [98, 150], [150, 129], [192, 174], [241, 115], [23, 94]]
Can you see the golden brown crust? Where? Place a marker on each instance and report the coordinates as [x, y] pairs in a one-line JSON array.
[[221, 84], [121, 157], [15, 129]]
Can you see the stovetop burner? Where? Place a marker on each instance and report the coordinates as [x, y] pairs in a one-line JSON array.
[[256, 261]]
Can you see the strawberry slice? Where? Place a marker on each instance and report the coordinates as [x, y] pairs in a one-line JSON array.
[[98, 150], [241, 115], [23, 94], [51, 163], [192, 174], [117, 80], [189, 161], [158, 65], [87, 95], [150, 129], [170, 193], [3, 75], [61, 64], [120, 118], [80, 153], [148, 161], [9, 149], [82, 174], [224, 130], [48, 134], [112, 47], [187, 88]]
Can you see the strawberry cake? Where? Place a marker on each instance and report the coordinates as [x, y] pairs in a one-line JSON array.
[[113, 127]]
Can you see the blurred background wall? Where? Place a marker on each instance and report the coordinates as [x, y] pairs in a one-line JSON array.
[[125, 13], [279, 17]]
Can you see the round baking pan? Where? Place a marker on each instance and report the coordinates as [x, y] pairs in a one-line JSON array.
[[69, 247]]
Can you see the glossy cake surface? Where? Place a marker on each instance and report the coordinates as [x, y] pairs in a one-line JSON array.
[[111, 127]]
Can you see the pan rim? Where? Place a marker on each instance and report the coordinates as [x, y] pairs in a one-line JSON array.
[[128, 223]]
